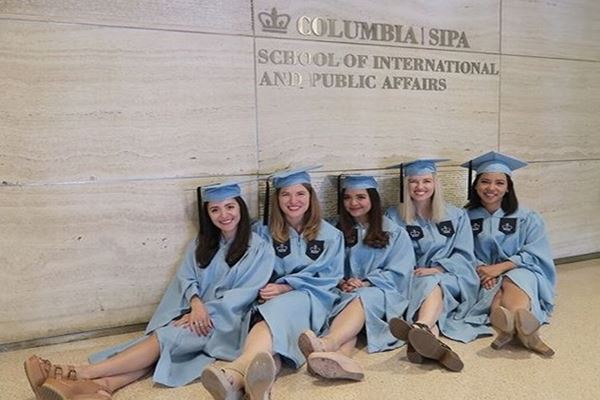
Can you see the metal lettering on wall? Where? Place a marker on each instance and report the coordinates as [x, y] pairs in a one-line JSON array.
[[297, 68]]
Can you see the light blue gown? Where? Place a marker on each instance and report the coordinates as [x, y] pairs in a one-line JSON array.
[[312, 269], [227, 293], [448, 244], [389, 271], [521, 238]]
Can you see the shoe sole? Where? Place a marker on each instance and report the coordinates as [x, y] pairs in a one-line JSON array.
[[306, 347], [335, 366], [49, 393], [399, 328], [217, 384], [501, 340], [260, 377], [429, 346], [503, 320], [34, 382]]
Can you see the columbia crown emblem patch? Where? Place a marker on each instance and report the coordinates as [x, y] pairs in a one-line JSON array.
[[508, 225], [314, 249], [477, 225], [282, 249], [446, 228], [415, 232]]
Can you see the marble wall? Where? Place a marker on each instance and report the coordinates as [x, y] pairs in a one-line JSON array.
[[114, 112]]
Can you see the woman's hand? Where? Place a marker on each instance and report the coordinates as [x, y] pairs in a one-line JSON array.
[[424, 271], [488, 274], [198, 319], [272, 290]]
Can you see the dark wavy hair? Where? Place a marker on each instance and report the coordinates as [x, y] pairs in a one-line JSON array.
[[207, 243], [376, 237], [509, 204]]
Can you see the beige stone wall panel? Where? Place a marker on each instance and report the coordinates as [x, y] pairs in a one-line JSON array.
[[76, 258], [84, 103], [224, 16], [567, 195], [550, 109], [349, 128], [557, 28], [479, 20]]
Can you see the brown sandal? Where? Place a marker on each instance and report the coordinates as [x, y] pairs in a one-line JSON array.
[[427, 345], [60, 389], [38, 370], [399, 329], [528, 327]]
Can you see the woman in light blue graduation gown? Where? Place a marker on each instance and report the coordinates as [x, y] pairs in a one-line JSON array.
[[515, 265], [378, 267], [445, 284], [205, 312], [309, 257]]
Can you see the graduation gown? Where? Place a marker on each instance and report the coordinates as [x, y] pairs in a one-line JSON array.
[[227, 293], [447, 244], [389, 271], [520, 238], [312, 269]]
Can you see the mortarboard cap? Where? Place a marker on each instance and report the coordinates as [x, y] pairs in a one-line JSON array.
[[494, 162], [358, 182], [292, 176], [220, 191]]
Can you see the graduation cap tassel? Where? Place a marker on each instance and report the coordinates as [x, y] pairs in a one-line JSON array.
[[266, 205], [401, 183], [339, 194], [469, 191], [200, 205]]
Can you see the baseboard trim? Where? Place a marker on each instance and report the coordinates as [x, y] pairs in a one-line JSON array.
[[71, 337]]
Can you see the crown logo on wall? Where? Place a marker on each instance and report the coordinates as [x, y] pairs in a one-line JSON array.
[[274, 22]]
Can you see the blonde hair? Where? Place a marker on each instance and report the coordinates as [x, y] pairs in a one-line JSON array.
[[311, 222], [437, 205]]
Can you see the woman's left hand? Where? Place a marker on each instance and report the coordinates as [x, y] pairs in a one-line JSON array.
[[424, 271], [272, 290], [489, 272], [354, 283]]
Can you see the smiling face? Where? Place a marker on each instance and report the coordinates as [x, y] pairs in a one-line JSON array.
[[358, 204], [294, 201], [421, 187], [491, 188], [225, 215]]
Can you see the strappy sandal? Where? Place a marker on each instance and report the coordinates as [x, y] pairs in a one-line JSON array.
[[38, 370], [334, 365], [503, 320], [216, 382], [527, 327], [399, 329], [427, 345], [60, 389], [309, 343], [260, 376]]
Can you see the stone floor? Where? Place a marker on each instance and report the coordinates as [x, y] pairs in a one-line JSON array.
[[514, 373]]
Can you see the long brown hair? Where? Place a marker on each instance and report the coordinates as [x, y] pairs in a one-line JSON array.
[[311, 221], [376, 237], [207, 243]]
